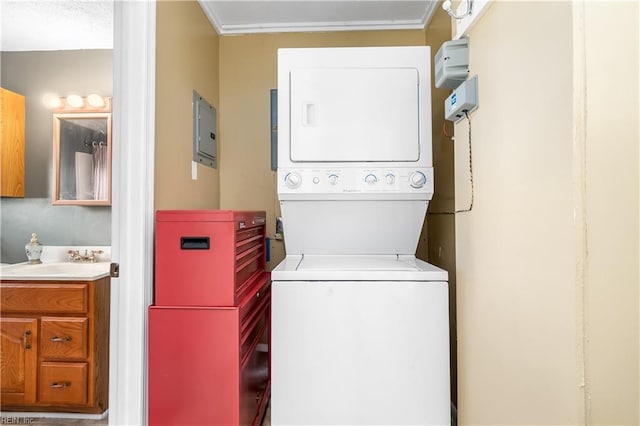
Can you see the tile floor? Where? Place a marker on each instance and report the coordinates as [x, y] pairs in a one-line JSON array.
[[79, 422]]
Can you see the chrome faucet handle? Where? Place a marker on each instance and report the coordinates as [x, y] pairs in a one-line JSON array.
[[73, 255], [93, 255]]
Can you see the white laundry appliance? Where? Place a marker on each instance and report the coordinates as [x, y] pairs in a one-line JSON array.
[[360, 327]]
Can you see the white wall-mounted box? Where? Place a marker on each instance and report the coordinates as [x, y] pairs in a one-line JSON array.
[[462, 101], [452, 63]]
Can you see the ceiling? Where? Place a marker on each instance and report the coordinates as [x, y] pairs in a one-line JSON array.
[[88, 24], [56, 24], [242, 17]]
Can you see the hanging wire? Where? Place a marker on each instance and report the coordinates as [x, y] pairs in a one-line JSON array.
[[470, 173], [470, 167]]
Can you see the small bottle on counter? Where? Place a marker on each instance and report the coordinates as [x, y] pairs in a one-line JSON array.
[[33, 249]]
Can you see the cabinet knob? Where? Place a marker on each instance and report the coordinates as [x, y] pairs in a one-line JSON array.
[[61, 384], [61, 339]]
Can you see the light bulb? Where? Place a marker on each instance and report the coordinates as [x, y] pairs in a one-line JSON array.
[[75, 101], [51, 101], [95, 100], [447, 5]]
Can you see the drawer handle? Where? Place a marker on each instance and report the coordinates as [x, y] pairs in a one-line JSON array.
[[61, 384], [195, 243], [26, 339], [61, 339]]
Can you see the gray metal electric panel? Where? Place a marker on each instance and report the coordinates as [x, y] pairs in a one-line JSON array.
[[452, 63], [205, 138]]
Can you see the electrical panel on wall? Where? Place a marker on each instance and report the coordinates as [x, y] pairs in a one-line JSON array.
[[205, 138]]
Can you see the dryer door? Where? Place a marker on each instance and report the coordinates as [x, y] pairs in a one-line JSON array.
[[354, 115]]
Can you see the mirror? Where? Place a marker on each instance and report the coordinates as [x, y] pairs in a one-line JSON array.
[[82, 158]]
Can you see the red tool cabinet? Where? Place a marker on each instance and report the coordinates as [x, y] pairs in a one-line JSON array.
[[209, 346], [206, 257]]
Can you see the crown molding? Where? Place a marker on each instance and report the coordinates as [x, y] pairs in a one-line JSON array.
[[288, 27]]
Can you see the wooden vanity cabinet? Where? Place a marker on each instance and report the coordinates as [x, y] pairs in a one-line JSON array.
[[18, 359], [55, 345]]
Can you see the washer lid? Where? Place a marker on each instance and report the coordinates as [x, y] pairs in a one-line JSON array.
[[356, 268]]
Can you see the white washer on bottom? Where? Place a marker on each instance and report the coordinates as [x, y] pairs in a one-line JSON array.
[[359, 340]]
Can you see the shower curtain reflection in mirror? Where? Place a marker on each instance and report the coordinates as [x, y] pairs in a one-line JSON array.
[[82, 159]]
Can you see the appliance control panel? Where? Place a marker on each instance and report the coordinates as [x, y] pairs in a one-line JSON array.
[[360, 180]]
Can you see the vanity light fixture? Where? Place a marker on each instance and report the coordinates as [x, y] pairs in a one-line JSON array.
[[76, 103]]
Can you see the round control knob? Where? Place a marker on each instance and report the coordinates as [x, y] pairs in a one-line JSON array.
[[316, 180], [333, 179], [417, 179], [390, 178], [293, 180], [370, 179]]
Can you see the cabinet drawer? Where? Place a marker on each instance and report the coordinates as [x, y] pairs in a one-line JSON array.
[[63, 383], [64, 338], [248, 264], [252, 330], [48, 298], [245, 240], [259, 290], [254, 381]]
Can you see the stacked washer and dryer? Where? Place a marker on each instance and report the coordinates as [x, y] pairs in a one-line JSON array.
[[360, 327]]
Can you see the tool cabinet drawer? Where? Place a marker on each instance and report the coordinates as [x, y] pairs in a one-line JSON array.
[[259, 291], [64, 338], [254, 381], [251, 333]]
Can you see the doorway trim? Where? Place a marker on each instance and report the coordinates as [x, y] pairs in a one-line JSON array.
[[133, 206]]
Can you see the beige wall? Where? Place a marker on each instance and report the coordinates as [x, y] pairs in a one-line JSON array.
[[515, 254], [248, 69], [547, 261], [611, 216], [186, 60], [437, 246]]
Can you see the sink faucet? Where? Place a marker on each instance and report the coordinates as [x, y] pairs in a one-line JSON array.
[[89, 255]]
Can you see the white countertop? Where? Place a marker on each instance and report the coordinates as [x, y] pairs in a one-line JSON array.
[[56, 266], [57, 271]]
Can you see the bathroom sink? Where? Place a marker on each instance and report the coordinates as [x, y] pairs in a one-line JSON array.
[[55, 271]]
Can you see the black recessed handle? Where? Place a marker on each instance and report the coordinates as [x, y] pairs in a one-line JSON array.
[[194, 243]]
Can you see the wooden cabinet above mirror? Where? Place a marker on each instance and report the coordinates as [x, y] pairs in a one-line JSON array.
[[82, 157]]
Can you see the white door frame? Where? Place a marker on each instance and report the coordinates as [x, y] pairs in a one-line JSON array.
[[132, 209]]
